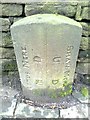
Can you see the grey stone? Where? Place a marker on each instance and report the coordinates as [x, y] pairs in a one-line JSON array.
[[39, 8], [24, 111], [82, 93], [86, 13], [0, 53], [12, 9], [0, 69], [82, 13], [17, 18], [27, 111], [11, 79], [11, 19], [77, 111], [84, 60], [0, 10], [78, 13], [83, 68], [44, 64], [84, 3], [0, 39], [86, 28], [5, 24], [7, 101], [61, 8], [9, 65], [5, 40], [85, 33], [0, 78], [72, 3], [84, 54], [85, 43], [86, 79], [67, 10], [7, 53]]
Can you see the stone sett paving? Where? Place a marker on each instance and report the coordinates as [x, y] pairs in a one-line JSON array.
[[74, 106]]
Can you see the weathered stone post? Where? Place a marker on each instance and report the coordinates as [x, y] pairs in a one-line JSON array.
[[46, 48]]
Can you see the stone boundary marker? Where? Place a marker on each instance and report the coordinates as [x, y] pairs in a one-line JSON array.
[[77, 10], [46, 48]]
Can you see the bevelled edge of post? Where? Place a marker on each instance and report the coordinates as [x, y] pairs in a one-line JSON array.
[[46, 18]]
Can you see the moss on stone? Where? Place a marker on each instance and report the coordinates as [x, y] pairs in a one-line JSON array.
[[84, 91], [67, 90], [9, 65], [54, 93]]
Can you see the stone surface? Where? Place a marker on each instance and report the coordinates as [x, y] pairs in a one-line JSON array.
[[84, 3], [0, 38], [84, 54], [37, 63], [85, 43], [5, 40], [0, 10], [78, 111], [5, 24], [9, 65], [86, 13], [17, 18], [80, 97], [0, 25], [78, 13], [11, 10], [1, 72], [82, 13], [85, 33], [7, 100], [86, 79], [24, 110], [67, 10], [86, 28], [39, 8], [11, 79], [7, 53], [0, 53], [83, 68], [81, 92], [83, 60], [61, 8]]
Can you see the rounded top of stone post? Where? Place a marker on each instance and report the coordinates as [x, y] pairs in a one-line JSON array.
[[46, 18]]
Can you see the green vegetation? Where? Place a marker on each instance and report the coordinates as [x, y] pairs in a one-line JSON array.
[[54, 93], [84, 91]]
